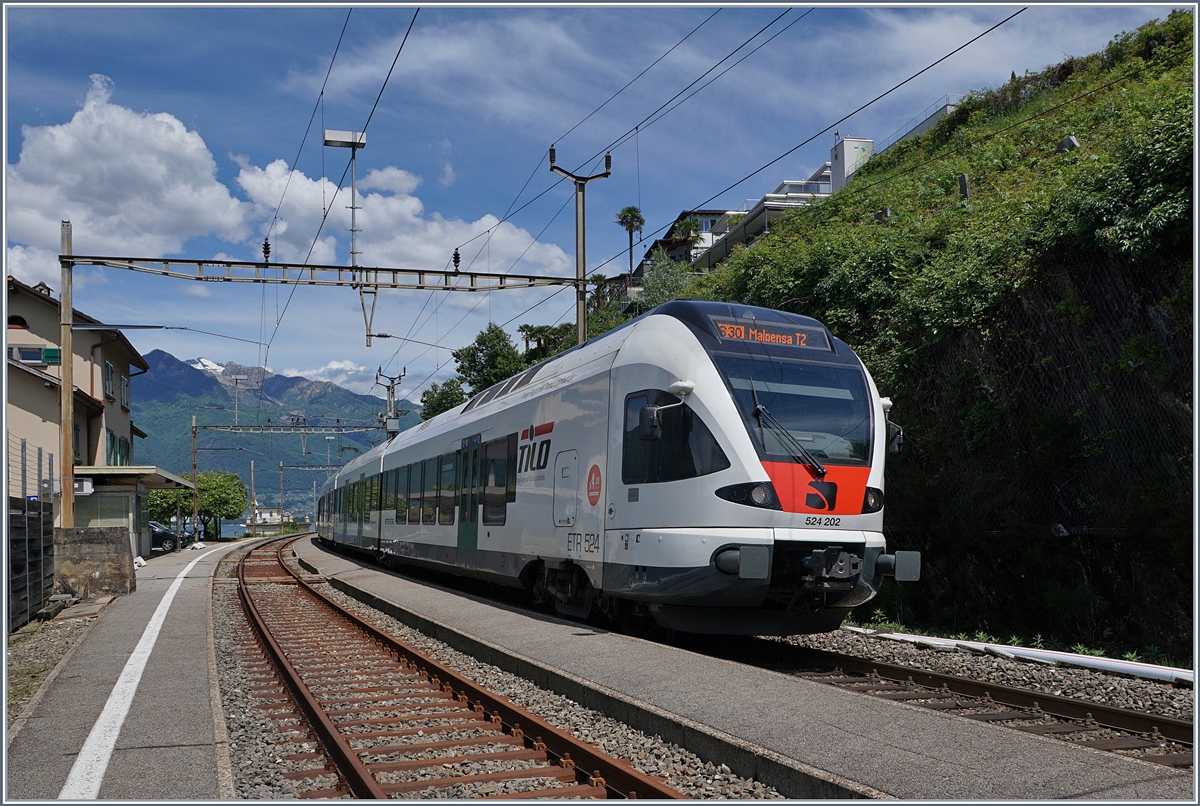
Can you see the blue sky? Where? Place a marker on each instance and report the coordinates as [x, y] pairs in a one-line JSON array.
[[172, 132]]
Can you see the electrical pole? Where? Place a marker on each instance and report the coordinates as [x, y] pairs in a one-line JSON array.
[[391, 419], [66, 392], [195, 486], [253, 504], [281, 497], [580, 240]]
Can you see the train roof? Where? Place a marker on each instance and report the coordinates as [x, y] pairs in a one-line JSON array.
[[698, 315]]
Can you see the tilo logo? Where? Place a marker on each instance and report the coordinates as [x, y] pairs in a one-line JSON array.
[[825, 496], [534, 455]]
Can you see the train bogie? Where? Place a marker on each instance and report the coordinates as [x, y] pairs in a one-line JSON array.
[[716, 467]]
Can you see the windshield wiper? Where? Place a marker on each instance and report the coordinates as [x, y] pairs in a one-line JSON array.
[[790, 443]]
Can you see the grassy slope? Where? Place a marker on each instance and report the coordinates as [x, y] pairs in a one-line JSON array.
[[1036, 339]]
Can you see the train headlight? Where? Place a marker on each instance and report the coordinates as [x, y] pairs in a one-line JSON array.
[[873, 500], [753, 494]]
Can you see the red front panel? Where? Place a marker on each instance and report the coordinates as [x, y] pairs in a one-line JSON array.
[[800, 489]]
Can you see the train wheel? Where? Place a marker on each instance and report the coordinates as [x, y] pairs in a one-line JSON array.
[[572, 593]]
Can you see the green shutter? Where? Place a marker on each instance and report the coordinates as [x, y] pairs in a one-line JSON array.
[[52, 355]]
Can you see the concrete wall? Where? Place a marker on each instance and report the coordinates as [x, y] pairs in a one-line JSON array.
[[95, 561]]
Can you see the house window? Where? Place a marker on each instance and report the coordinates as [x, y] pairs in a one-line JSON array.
[[36, 355], [18, 322], [110, 448], [75, 442], [109, 381], [125, 392], [122, 452]]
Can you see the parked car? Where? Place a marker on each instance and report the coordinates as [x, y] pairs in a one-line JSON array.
[[162, 537]]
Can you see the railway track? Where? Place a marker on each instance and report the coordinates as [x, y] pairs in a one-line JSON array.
[[391, 722], [1151, 737]]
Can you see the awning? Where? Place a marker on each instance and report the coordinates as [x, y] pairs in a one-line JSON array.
[[155, 478]]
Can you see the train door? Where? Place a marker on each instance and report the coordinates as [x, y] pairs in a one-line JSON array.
[[468, 497], [566, 488]]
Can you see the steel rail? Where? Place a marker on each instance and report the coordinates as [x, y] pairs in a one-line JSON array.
[[358, 778], [1109, 716], [618, 777]]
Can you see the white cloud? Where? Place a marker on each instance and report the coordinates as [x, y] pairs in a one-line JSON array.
[[130, 183], [447, 178], [197, 290], [344, 373], [391, 179]]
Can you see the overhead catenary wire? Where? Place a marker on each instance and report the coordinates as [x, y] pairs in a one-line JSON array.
[[659, 111], [840, 120], [587, 117], [325, 216]]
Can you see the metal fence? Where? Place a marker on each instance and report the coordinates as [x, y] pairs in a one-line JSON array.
[[30, 485]]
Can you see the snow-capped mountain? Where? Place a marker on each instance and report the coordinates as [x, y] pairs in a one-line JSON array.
[[206, 365]]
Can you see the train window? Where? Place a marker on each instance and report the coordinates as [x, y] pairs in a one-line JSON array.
[[448, 489], [495, 480], [414, 492], [401, 494], [429, 502], [525, 377], [388, 501], [687, 448]]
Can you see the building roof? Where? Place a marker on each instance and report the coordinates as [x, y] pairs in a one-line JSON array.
[[15, 285], [155, 477], [81, 398]]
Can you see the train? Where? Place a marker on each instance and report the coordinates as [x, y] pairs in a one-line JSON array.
[[706, 467]]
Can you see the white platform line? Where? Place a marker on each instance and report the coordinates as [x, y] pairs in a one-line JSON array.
[[83, 782]]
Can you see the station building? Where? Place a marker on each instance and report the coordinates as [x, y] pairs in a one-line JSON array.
[[110, 487]]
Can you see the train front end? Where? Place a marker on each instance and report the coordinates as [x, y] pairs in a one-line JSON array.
[[759, 441]]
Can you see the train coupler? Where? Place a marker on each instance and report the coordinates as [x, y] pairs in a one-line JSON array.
[[831, 569]]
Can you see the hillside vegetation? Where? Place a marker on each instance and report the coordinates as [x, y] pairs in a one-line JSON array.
[[1036, 338]]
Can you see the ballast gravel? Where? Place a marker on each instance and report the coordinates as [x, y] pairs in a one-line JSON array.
[[683, 771], [1148, 696]]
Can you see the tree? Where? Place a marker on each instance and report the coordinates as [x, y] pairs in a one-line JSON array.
[[630, 219], [161, 504], [442, 397], [606, 305], [221, 495], [664, 281], [489, 359], [547, 340], [687, 229]]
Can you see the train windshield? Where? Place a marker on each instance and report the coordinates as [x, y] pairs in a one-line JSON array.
[[826, 409]]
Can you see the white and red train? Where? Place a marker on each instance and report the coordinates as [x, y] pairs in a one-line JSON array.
[[713, 466]]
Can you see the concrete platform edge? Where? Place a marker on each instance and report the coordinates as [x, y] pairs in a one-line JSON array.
[[793, 779]]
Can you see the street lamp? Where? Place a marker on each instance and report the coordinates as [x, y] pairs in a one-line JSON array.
[[327, 458], [354, 141]]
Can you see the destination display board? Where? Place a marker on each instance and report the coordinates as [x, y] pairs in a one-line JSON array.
[[780, 335]]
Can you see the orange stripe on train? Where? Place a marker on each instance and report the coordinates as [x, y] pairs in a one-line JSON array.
[[800, 489]]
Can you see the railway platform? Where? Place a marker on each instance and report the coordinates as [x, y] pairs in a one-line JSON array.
[[806, 739], [130, 713]]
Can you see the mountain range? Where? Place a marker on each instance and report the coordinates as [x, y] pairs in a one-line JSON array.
[[172, 392]]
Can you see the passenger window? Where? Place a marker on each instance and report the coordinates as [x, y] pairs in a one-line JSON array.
[[389, 493], [429, 502], [687, 448], [495, 480], [414, 492], [447, 493], [401, 494]]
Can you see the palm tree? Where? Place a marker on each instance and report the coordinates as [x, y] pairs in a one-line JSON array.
[[630, 218]]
